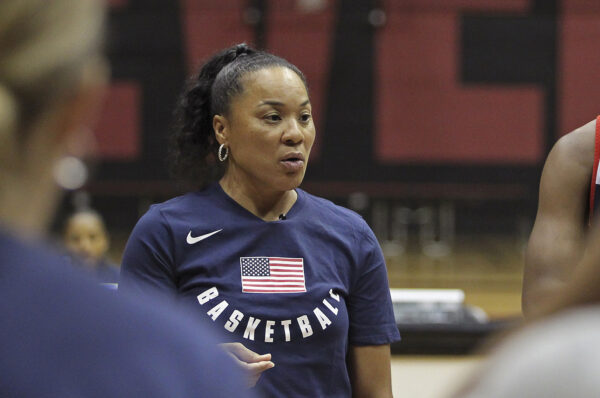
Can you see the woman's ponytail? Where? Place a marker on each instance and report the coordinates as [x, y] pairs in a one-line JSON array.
[[193, 144]]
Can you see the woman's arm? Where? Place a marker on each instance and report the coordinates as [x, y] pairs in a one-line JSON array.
[[372, 323], [370, 371], [557, 240]]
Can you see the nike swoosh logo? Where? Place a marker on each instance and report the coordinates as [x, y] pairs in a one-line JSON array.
[[191, 240]]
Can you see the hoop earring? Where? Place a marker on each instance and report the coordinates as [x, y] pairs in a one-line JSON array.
[[220, 154]]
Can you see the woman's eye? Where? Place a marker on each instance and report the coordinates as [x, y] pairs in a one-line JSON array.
[[305, 117], [273, 117]]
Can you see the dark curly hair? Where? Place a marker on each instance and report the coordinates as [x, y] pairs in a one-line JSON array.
[[192, 144]]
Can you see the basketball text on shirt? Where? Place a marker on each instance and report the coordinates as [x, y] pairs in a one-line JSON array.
[[302, 322]]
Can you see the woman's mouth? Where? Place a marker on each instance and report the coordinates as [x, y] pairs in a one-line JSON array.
[[293, 162]]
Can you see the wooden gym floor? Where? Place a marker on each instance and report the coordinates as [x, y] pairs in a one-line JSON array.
[[488, 269]]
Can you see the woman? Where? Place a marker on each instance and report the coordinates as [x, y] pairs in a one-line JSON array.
[[61, 335], [277, 270]]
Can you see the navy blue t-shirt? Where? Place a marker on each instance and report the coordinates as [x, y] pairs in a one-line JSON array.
[[302, 288], [62, 335]]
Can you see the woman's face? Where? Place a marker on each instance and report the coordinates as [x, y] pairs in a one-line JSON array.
[[86, 237], [269, 130]]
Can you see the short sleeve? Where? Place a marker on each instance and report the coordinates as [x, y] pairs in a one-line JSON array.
[[370, 308], [148, 259]]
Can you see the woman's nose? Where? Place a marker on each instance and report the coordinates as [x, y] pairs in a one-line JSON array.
[[293, 133]]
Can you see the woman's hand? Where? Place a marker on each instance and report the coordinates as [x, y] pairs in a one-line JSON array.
[[251, 363]]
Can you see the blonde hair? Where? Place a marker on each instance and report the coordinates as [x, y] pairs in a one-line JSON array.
[[44, 46]]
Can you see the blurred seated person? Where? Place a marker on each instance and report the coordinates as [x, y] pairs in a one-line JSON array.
[[85, 235]]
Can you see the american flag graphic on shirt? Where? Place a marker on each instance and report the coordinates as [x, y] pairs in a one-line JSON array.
[[272, 275]]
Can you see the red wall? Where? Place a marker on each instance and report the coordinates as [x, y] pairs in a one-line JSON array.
[[424, 113], [579, 64]]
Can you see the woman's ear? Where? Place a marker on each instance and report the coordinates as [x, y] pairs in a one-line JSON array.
[[220, 128]]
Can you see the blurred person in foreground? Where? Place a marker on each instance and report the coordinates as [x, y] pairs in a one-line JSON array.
[[568, 200], [556, 357], [555, 353], [277, 270], [61, 335], [85, 236]]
